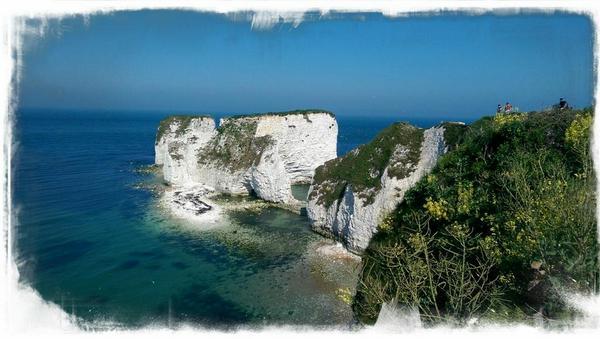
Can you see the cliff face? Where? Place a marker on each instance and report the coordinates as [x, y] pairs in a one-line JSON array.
[[264, 154], [350, 195], [178, 141]]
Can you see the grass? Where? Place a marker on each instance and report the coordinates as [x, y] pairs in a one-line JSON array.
[[304, 112], [453, 133], [363, 167], [183, 121], [503, 224], [235, 146]]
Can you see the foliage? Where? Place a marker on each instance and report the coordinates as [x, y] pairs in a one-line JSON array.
[[235, 147], [507, 118], [453, 133], [182, 121], [363, 167], [304, 112], [413, 272], [578, 133], [174, 151], [577, 138], [502, 225]]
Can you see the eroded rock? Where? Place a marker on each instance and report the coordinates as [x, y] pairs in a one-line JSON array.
[[351, 195]]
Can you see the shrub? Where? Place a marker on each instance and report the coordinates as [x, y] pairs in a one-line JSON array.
[[182, 122], [501, 227], [363, 167], [235, 147], [577, 137]]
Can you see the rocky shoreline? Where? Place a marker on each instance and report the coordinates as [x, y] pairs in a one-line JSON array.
[[265, 155]]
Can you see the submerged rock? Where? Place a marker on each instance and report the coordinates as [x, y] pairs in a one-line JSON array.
[[256, 154], [351, 195]]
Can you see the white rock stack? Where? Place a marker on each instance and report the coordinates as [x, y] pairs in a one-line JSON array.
[[263, 154], [353, 216], [177, 143]]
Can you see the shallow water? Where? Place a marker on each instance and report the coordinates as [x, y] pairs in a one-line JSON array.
[[90, 240], [300, 192]]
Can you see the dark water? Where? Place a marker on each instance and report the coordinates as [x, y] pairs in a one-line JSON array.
[[89, 240]]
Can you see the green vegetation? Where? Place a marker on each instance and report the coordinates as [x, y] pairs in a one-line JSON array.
[[500, 230], [173, 150], [235, 146], [453, 133], [304, 112], [363, 167], [183, 120]]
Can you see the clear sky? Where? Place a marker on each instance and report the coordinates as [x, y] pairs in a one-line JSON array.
[[452, 66]]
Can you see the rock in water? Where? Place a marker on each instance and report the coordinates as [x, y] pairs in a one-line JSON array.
[[262, 154], [193, 204], [191, 201], [351, 195]]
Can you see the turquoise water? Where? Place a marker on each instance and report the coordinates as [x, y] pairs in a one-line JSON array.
[[91, 238], [300, 192]]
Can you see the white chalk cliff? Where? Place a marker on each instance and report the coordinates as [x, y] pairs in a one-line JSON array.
[[263, 154], [344, 206]]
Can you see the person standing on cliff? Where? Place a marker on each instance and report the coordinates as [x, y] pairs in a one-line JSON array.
[[507, 107], [499, 109], [563, 104]]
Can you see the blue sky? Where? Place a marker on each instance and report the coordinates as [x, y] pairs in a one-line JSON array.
[[451, 66]]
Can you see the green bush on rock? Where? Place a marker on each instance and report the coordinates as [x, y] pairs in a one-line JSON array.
[[363, 167], [182, 121], [235, 146]]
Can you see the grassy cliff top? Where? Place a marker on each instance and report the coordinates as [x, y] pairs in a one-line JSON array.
[[282, 114], [453, 133], [363, 167], [184, 123], [185, 120]]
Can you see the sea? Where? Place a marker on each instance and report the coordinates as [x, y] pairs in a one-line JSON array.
[[90, 237]]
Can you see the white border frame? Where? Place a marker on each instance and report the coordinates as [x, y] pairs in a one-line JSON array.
[[24, 313]]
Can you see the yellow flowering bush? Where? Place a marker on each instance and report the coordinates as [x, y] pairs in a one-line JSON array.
[[505, 118], [417, 241], [438, 209], [578, 133], [431, 178], [518, 189], [459, 231], [465, 196], [386, 224], [490, 247]]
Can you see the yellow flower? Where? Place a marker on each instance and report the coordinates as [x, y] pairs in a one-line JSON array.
[[386, 224], [417, 241], [344, 295], [431, 178], [437, 209], [504, 118], [578, 133], [465, 195]]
